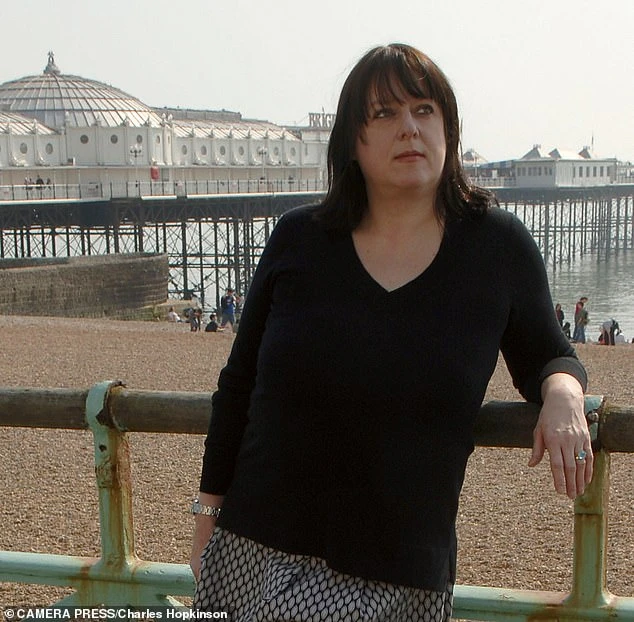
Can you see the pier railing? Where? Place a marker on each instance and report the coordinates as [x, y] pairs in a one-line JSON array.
[[111, 411], [92, 191]]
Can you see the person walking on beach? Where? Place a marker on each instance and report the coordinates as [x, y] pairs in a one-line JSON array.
[[329, 488], [195, 319], [228, 309], [581, 320]]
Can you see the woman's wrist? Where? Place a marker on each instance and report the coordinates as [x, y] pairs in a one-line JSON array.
[[207, 505], [561, 383]]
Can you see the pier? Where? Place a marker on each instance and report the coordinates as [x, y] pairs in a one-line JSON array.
[[214, 232]]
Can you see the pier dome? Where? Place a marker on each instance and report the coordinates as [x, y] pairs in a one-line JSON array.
[[58, 100]]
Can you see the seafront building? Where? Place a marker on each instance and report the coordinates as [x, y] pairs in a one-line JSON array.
[[65, 129], [549, 168]]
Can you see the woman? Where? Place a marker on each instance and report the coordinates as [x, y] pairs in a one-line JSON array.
[[336, 451], [559, 313]]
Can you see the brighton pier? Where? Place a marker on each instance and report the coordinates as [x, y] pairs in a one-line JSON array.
[[213, 237]]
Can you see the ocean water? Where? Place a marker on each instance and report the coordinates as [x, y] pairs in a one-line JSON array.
[[608, 282]]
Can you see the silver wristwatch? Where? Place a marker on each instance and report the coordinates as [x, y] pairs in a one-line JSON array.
[[207, 510]]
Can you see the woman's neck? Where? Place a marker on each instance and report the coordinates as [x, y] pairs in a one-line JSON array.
[[400, 217], [397, 243]]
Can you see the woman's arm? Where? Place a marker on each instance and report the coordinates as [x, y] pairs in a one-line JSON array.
[[230, 403], [545, 367], [203, 529]]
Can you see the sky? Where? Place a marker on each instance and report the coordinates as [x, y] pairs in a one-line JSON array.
[[551, 72]]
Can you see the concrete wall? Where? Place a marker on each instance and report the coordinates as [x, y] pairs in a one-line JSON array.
[[111, 286]]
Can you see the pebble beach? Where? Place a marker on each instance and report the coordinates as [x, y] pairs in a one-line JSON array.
[[514, 530]]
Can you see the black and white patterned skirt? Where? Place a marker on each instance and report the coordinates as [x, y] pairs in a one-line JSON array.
[[254, 583]]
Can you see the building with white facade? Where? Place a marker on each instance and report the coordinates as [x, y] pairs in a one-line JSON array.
[[548, 168], [541, 168], [65, 129]]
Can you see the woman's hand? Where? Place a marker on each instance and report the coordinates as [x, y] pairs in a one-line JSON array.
[[562, 430], [203, 530], [202, 533]]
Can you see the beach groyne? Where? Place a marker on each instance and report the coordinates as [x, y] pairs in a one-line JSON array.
[[126, 286]]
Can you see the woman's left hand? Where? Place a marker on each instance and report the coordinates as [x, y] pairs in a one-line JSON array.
[[562, 430]]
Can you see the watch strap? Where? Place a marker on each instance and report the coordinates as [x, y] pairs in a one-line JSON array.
[[206, 510]]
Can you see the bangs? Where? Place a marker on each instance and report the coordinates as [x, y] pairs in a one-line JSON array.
[[400, 74], [389, 74]]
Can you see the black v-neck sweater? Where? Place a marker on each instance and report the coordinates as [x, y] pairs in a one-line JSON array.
[[344, 418]]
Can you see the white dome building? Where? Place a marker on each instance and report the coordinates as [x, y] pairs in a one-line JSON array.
[[75, 131]]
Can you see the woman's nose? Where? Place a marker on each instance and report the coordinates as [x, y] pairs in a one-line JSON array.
[[408, 125]]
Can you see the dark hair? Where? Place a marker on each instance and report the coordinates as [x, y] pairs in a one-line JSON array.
[[388, 70]]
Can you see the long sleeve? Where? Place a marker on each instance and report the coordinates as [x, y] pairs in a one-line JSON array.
[[533, 344], [230, 403]]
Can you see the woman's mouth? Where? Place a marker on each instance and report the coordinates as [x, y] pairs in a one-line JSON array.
[[410, 155]]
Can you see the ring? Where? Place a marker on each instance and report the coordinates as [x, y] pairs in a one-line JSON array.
[[581, 456]]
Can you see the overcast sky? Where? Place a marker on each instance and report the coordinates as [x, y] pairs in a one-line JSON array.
[[554, 72]]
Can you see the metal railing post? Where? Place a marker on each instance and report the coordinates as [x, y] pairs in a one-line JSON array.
[[112, 472], [589, 572], [118, 575], [589, 588]]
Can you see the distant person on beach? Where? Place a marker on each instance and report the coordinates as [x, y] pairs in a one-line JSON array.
[[336, 453], [172, 316], [228, 308], [581, 320], [559, 313], [566, 329], [608, 330], [195, 319], [212, 325]]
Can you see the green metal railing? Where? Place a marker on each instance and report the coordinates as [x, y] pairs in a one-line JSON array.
[[110, 411]]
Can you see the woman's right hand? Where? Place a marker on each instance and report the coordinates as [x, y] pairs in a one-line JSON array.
[[203, 530]]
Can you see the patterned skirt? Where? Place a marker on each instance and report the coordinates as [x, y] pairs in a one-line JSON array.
[[254, 583]]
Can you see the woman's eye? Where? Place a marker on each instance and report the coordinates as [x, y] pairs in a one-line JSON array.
[[381, 113], [425, 109]]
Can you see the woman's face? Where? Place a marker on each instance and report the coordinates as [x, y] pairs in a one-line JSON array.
[[402, 146]]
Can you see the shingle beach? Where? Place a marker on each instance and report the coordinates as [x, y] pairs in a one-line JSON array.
[[513, 530]]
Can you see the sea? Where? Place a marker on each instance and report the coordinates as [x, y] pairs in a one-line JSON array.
[[608, 283]]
